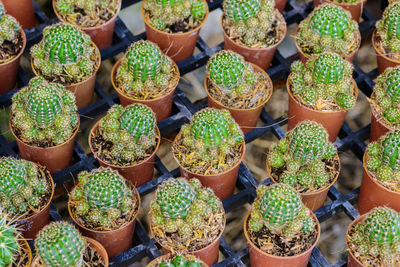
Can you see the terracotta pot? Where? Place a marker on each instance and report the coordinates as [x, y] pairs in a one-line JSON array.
[[155, 262], [9, 70], [22, 10], [258, 258], [246, 118], [355, 9], [331, 120], [315, 199], [55, 158], [262, 57], [378, 126], [280, 5], [27, 248], [373, 194], [83, 90], [161, 106], [351, 259], [93, 243], [114, 241], [137, 174], [384, 61], [177, 46]]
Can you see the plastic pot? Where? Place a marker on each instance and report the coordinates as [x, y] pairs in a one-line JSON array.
[[155, 262], [355, 9], [384, 61], [246, 118], [331, 120], [114, 241], [22, 10], [137, 174], [262, 57], [177, 46], [55, 158], [280, 5], [259, 258], [352, 261], [378, 126], [373, 194], [161, 106], [92, 243], [9, 70]]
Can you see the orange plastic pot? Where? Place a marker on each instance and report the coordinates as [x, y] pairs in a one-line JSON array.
[[331, 120], [177, 46], [137, 174], [262, 57], [115, 241], [378, 126], [384, 61], [259, 258], [155, 262], [9, 70], [355, 9], [246, 118], [280, 5], [55, 158], [373, 194], [352, 261], [161, 106], [22, 10]]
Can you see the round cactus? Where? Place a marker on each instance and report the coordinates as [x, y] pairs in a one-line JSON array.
[[180, 261], [9, 237], [9, 28], [330, 20], [388, 28], [60, 244], [240, 10]]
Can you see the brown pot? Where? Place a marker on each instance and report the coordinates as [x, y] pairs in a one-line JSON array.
[[352, 261], [384, 61], [177, 46], [378, 126], [155, 262], [331, 120], [161, 106], [93, 243], [262, 57], [280, 5], [137, 174], [315, 199], [22, 10], [354, 8], [246, 118], [55, 158], [114, 241], [259, 258], [9, 70], [373, 194]]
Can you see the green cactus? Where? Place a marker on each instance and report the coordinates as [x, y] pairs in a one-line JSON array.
[[9, 241], [328, 28], [180, 261], [9, 27], [44, 112], [302, 156], [388, 28], [65, 55], [60, 244], [324, 82]]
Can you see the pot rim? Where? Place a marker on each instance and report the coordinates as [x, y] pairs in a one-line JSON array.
[[28, 249], [354, 222], [379, 53], [379, 120], [18, 56], [343, 4], [167, 256]]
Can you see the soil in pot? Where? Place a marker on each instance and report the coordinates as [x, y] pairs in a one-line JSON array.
[[10, 49]]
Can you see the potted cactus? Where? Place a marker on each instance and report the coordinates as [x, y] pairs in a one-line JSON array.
[[279, 229], [22, 11], [253, 29], [238, 86], [177, 260], [211, 148], [96, 18], [381, 177], [307, 161], [126, 140], [44, 121], [61, 244], [174, 25], [322, 90], [355, 7], [186, 217], [386, 37], [104, 206], [373, 239], [12, 45], [329, 28], [67, 56], [145, 75]]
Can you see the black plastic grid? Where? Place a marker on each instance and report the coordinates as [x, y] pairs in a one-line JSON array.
[[184, 109]]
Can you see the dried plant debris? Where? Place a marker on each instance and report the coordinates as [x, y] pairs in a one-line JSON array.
[[11, 40]]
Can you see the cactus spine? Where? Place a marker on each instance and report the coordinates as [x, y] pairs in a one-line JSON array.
[[9, 237], [9, 27], [180, 261], [388, 28]]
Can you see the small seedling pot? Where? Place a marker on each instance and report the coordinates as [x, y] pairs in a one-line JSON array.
[[352, 261], [262, 57], [355, 9], [9, 70], [161, 106], [373, 194], [137, 174], [384, 61], [280, 5], [22, 11], [331, 120], [177, 46], [155, 262], [246, 118], [259, 258], [115, 241], [55, 158], [378, 126]]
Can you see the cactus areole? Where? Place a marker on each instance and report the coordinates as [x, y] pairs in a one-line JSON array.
[[11, 41]]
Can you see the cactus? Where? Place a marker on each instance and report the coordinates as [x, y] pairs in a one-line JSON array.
[[346, 1], [302, 155], [324, 82], [60, 244], [388, 28], [65, 54], [44, 112], [9, 241], [377, 237], [328, 28], [9, 27], [180, 261]]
